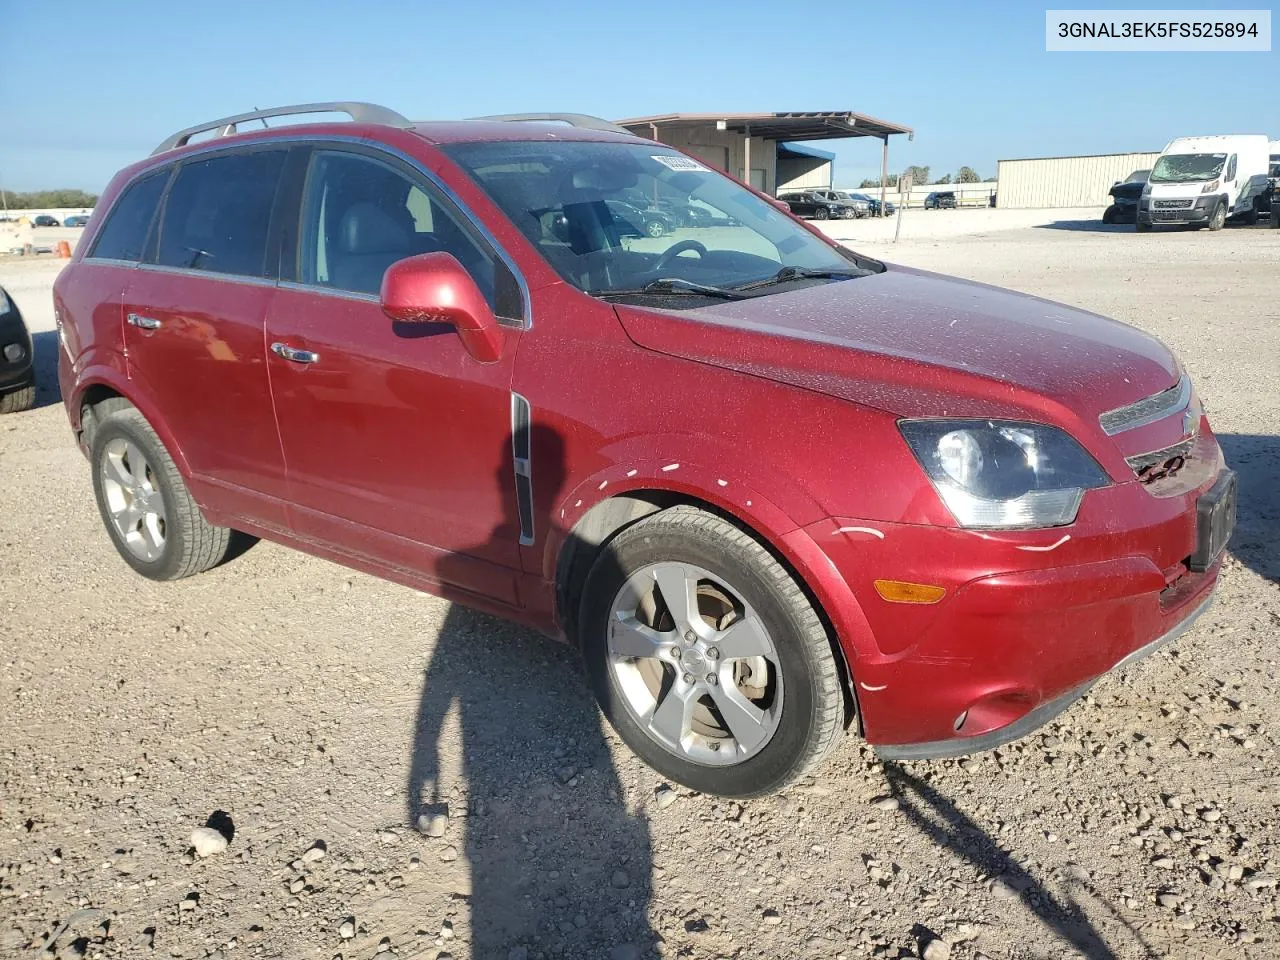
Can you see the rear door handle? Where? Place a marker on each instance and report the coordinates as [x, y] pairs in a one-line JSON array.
[[146, 323], [294, 354]]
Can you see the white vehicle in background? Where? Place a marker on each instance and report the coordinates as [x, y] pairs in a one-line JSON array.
[[1202, 181]]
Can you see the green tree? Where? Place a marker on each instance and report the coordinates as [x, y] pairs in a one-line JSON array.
[[875, 184], [968, 175], [49, 198], [918, 175], [945, 179]]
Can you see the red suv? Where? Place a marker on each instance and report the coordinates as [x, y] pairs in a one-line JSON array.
[[769, 487]]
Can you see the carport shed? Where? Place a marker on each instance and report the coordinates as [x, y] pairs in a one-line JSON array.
[[747, 144]]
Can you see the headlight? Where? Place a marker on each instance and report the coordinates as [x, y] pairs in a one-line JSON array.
[[1210, 187], [1001, 473]]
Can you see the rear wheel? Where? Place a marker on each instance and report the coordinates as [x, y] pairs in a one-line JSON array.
[[24, 398], [655, 228], [821, 214], [707, 657], [153, 521]]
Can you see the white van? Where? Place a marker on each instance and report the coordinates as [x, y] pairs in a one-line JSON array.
[[1205, 180]]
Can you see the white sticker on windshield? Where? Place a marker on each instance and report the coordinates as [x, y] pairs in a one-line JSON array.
[[675, 162]]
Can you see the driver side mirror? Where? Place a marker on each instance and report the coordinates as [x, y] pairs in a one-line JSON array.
[[434, 288]]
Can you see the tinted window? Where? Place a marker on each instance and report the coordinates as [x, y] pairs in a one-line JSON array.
[[361, 215], [124, 235], [218, 212]]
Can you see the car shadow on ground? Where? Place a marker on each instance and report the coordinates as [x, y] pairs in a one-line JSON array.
[[940, 821], [1087, 226], [559, 864], [44, 347], [1256, 460]]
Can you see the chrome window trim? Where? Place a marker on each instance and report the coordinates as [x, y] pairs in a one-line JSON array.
[[214, 146], [327, 291], [207, 274], [110, 261], [1148, 410]]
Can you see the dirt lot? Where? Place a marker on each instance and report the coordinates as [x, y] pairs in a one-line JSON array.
[[309, 706]]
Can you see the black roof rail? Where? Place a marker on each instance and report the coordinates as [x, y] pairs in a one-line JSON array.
[[358, 112], [585, 121]]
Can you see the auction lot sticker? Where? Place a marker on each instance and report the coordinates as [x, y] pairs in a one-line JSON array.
[[1115, 31]]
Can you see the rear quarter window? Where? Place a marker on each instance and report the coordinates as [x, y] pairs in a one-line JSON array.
[[124, 235], [218, 213]]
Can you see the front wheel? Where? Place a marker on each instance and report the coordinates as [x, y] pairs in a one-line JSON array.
[[821, 214], [707, 657], [1218, 219], [1141, 227], [655, 228], [24, 398], [153, 521]]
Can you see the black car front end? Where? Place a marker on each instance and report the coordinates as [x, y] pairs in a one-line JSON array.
[[16, 368]]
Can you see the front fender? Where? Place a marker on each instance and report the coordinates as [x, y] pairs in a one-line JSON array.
[[772, 508]]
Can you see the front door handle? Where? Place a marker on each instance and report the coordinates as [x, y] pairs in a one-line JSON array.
[[146, 323], [294, 354]]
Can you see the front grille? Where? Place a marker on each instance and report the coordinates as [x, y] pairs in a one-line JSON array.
[[1147, 410], [1176, 216], [1173, 204]]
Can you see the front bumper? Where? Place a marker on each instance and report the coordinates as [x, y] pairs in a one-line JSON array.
[[1028, 621], [1197, 213], [18, 373]]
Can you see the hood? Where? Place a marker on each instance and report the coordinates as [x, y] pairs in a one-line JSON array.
[[1129, 190], [914, 343]]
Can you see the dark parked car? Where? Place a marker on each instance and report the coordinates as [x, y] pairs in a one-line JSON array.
[[17, 373], [873, 203], [1125, 196], [76, 220], [861, 205], [44, 220], [650, 222], [944, 200], [745, 474], [817, 207]]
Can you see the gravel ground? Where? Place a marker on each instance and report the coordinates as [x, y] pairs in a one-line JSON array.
[[312, 714]]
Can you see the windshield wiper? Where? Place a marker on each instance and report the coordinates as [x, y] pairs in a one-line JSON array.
[[787, 274], [671, 285]]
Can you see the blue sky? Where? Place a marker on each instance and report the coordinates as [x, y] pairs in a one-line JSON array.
[[102, 82]]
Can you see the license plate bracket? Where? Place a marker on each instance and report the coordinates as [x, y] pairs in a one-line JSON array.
[[1215, 520]]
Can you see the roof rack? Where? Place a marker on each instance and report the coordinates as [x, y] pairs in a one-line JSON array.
[[582, 120], [358, 112]]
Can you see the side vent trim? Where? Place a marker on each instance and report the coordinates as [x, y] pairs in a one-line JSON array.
[[521, 453]]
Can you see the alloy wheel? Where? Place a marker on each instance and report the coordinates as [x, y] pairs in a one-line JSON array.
[[694, 664], [134, 501]]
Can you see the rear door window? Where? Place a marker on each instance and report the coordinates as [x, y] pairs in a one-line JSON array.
[[217, 216], [124, 235]]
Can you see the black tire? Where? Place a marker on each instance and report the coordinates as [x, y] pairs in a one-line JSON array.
[[655, 228], [24, 398], [1218, 219], [192, 544], [1109, 215], [1141, 227], [813, 708], [822, 213]]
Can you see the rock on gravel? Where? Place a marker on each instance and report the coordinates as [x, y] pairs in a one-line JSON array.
[[664, 797], [433, 825], [347, 929], [207, 841], [936, 950]]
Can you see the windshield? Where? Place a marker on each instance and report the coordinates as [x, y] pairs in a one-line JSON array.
[[620, 216], [1187, 167]]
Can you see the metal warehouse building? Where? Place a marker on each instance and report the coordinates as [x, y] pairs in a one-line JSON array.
[[1066, 181]]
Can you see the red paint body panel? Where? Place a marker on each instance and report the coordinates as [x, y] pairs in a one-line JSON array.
[[393, 453]]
